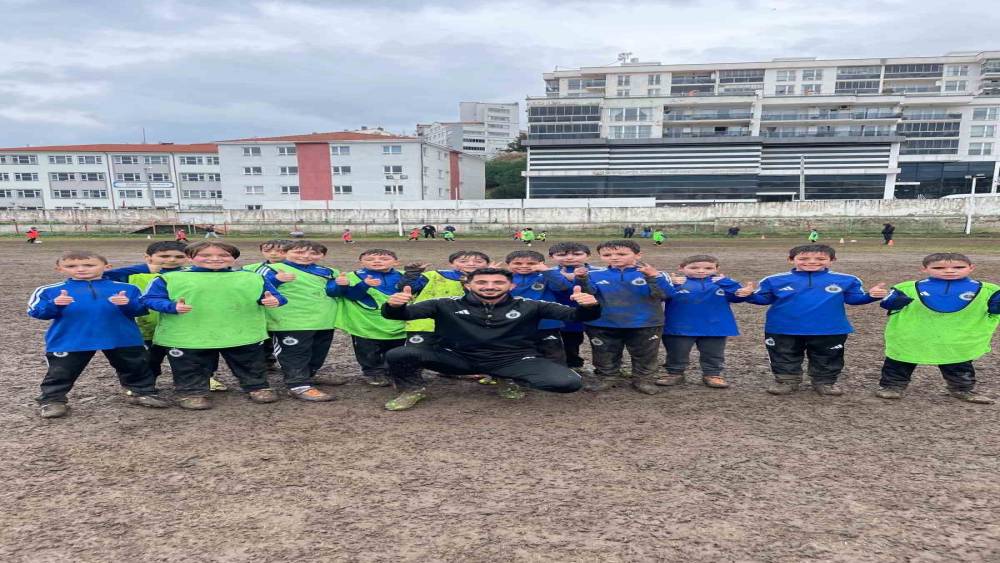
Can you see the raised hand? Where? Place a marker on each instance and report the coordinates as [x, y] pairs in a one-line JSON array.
[[401, 298], [372, 281], [63, 299], [582, 299], [581, 272], [285, 276], [746, 290], [416, 267], [342, 279], [119, 299], [499, 265], [678, 278], [540, 267], [269, 300], [879, 290], [182, 307], [647, 269]]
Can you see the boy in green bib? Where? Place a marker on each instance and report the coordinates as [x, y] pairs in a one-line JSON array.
[[946, 320], [213, 310], [435, 284], [302, 331]]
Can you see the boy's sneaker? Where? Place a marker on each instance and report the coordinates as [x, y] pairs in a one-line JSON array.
[[53, 410], [216, 385], [151, 401], [715, 381], [406, 401], [309, 393], [831, 389], [379, 381], [782, 387], [194, 403], [263, 396], [889, 393], [972, 397], [670, 379], [645, 386], [510, 390]]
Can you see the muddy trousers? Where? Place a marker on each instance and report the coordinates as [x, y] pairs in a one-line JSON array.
[[156, 354], [787, 352], [370, 354], [711, 353], [572, 340], [406, 362], [550, 346], [300, 353], [609, 344], [959, 377], [192, 367], [65, 367]]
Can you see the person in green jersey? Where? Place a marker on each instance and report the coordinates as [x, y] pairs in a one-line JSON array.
[[813, 235], [946, 320], [659, 237], [212, 310], [528, 236], [359, 313], [449, 236], [273, 252], [435, 284]]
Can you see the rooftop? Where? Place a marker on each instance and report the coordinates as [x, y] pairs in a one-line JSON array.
[[123, 147], [324, 138]]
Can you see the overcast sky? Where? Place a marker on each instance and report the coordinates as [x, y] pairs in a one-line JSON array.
[[99, 71]]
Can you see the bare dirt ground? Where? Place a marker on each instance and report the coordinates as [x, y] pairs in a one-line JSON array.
[[692, 474]]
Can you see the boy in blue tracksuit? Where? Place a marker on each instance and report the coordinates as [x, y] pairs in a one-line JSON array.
[[571, 259], [631, 295], [91, 313], [534, 280], [807, 318], [700, 315]]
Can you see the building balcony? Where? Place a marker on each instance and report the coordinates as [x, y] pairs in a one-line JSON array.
[[849, 133], [709, 116], [686, 80], [769, 116], [677, 134], [933, 117], [910, 75]]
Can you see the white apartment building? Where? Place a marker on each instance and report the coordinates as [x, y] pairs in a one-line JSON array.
[[485, 128], [854, 128]]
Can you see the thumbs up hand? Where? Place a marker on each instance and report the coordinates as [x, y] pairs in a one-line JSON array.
[[285, 276], [63, 299], [747, 289], [119, 299], [182, 307], [269, 300], [879, 291], [582, 299], [342, 279], [401, 298], [372, 281]]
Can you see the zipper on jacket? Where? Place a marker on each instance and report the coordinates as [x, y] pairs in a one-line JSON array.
[[93, 292]]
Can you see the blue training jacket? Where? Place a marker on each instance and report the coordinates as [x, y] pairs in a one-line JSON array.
[[359, 291], [809, 303], [628, 299], [541, 286], [943, 296], [562, 297], [90, 322], [701, 308], [122, 274]]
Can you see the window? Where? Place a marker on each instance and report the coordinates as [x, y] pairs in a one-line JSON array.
[[92, 176], [159, 177], [856, 87], [157, 159], [202, 194], [89, 160], [289, 170], [624, 80], [289, 190], [622, 93], [130, 194], [440, 174], [631, 114], [812, 89], [212, 160], [18, 159], [5, 177], [126, 159], [94, 194], [812, 74], [252, 170], [654, 79], [6, 193], [60, 159], [343, 190], [983, 114], [394, 190], [25, 176], [982, 131], [213, 177], [957, 70], [980, 148], [63, 194], [392, 149], [286, 151], [253, 190], [28, 193], [786, 76], [163, 194], [784, 90], [653, 92], [128, 177], [341, 170], [631, 132], [251, 151], [62, 176], [341, 150], [192, 177], [955, 85], [390, 170], [192, 160]]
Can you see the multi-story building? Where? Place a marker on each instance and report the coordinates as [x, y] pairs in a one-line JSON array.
[[850, 128], [110, 176], [485, 128]]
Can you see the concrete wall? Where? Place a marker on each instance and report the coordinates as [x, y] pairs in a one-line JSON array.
[[502, 216]]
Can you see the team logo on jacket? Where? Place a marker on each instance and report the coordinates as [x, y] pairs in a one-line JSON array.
[[638, 281], [786, 288], [538, 286], [463, 312], [967, 296], [416, 339], [513, 315], [289, 341], [175, 353], [597, 342], [720, 291], [60, 354], [769, 342], [833, 288]]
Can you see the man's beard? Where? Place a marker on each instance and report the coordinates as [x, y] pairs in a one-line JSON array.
[[495, 295]]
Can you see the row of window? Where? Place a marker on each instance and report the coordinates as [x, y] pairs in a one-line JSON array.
[[282, 151], [259, 190], [259, 170], [97, 159]]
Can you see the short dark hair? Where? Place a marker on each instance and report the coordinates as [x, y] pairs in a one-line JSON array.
[[193, 249], [820, 248], [531, 254], [307, 244], [699, 258], [463, 253], [489, 272], [378, 252], [633, 246], [80, 255], [280, 243], [568, 247], [946, 257], [165, 245]]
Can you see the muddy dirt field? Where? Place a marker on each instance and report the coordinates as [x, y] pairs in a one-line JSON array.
[[692, 474]]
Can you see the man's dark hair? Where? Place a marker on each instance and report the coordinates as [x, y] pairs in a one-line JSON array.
[[307, 244], [275, 243], [699, 258], [821, 248], [489, 272], [531, 254], [192, 250], [378, 252], [633, 246], [80, 255], [946, 257], [464, 253], [165, 245], [568, 247]]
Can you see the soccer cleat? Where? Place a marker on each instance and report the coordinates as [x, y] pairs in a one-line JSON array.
[[308, 393], [216, 385], [262, 396], [669, 380], [830, 389], [715, 381], [406, 401], [151, 401], [782, 387], [194, 403], [972, 397], [379, 381], [645, 386], [510, 390], [889, 393], [53, 410]]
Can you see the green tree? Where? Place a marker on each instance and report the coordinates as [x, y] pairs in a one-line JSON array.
[[503, 176]]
